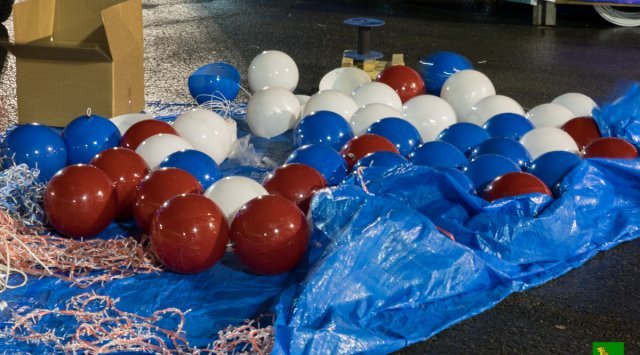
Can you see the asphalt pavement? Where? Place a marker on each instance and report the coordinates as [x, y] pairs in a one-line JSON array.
[[533, 65]]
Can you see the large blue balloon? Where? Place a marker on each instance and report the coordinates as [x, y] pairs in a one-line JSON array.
[[381, 159], [437, 67], [214, 82], [485, 168], [196, 163], [506, 147], [464, 135], [508, 125], [438, 155], [37, 146], [323, 127], [326, 160], [87, 136], [400, 132], [552, 167]]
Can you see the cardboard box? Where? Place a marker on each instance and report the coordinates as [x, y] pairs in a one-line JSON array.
[[72, 55]]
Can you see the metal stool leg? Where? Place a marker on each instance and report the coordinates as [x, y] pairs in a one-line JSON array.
[[544, 13]]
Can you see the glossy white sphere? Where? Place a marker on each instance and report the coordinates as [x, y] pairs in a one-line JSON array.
[[376, 93], [155, 148], [429, 114], [302, 99], [272, 111], [370, 114], [466, 88], [124, 122], [344, 79], [579, 104], [548, 139], [331, 100], [273, 68], [207, 131], [549, 115], [233, 192], [491, 106]]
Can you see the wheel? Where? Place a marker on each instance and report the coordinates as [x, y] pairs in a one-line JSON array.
[[5, 9], [619, 15]]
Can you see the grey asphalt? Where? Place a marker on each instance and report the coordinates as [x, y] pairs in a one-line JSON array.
[[597, 302]]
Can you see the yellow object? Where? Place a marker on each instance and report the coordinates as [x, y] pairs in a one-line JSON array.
[[77, 54], [373, 67]]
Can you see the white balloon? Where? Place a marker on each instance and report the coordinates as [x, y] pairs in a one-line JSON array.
[[549, 115], [548, 139], [233, 192], [376, 93], [155, 148], [579, 104], [124, 122], [272, 111], [303, 102], [273, 68], [344, 79], [206, 131], [429, 114], [370, 114], [466, 88], [491, 106], [331, 100]]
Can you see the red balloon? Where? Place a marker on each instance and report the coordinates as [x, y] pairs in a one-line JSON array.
[[363, 145], [270, 234], [514, 184], [583, 130], [80, 201], [615, 148], [142, 130], [404, 80], [158, 187], [296, 183], [126, 169], [189, 234]]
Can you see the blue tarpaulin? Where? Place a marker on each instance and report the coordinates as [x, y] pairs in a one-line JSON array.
[[379, 275]]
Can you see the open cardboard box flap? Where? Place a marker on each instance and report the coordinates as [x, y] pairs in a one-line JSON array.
[[77, 54]]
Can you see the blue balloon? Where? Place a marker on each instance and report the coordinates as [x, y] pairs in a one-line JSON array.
[[87, 136], [326, 160], [459, 177], [323, 127], [37, 146], [506, 147], [508, 125], [464, 135], [214, 82], [485, 168], [552, 167], [437, 67], [400, 132], [438, 155], [381, 159], [196, 163]]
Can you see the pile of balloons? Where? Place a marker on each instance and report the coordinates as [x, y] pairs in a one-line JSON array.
[[167, 177]]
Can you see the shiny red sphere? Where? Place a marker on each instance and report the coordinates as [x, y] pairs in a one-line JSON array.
[[583, 130], [158, 187], [405, 81], [514, 184], [126, 169], [296, 183], [142, 130], [189, 234], [363, 145], [270, 235], [615, 148], [80, 201]]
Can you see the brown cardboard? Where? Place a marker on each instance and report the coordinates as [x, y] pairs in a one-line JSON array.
[[77, 54]]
